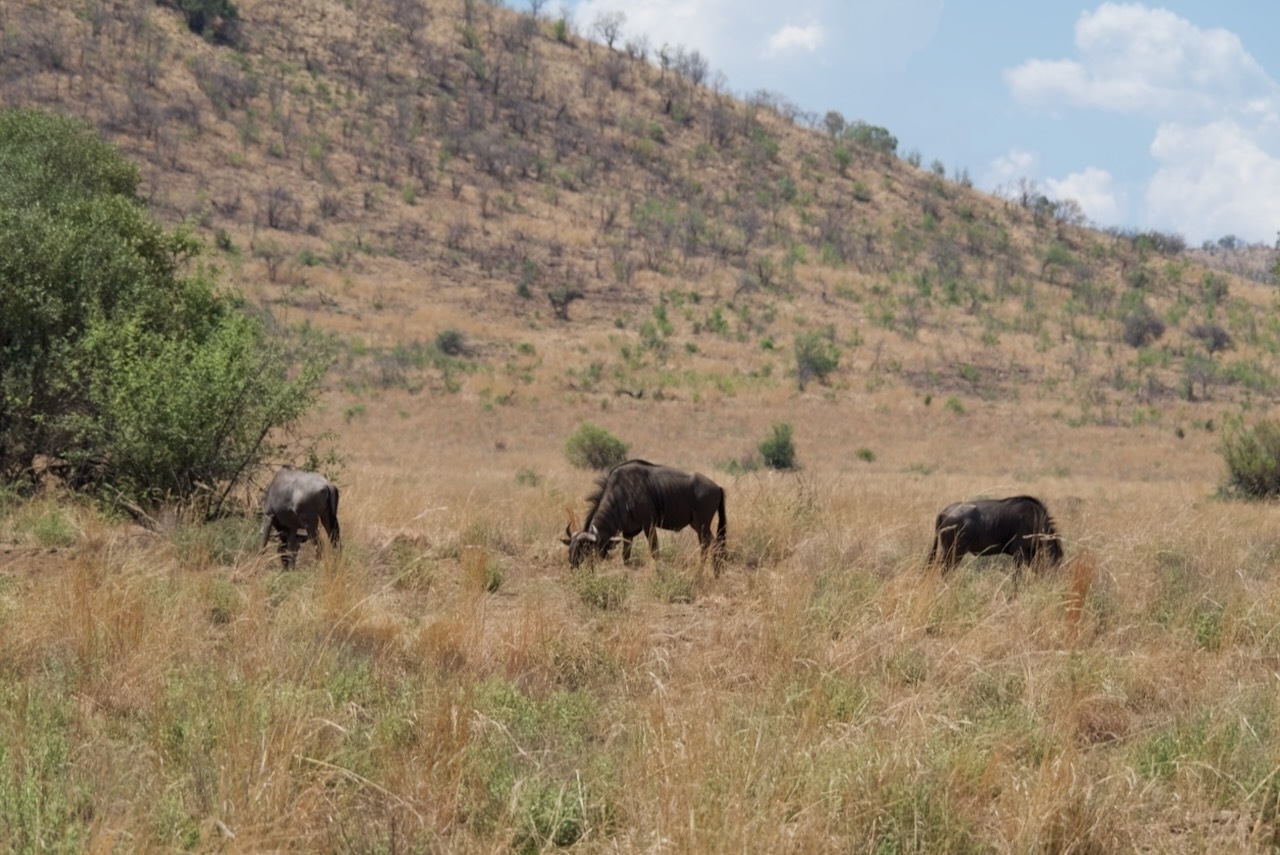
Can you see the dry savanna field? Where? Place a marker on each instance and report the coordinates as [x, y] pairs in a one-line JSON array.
[[446, 683], [505, 231]]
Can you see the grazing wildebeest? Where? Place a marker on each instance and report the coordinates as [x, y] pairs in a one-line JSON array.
[[639, 496], [1019, 526], [297, 499]]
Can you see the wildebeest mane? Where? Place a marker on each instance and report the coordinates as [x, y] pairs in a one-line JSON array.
[[616, 490], [1048, 517]]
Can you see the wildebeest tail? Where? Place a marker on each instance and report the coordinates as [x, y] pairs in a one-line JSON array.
[[723, 523], [333, 514]]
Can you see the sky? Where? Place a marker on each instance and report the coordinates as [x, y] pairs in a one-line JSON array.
[[1149, 115]]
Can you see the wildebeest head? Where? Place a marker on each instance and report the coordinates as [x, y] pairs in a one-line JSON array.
[[582, 544]]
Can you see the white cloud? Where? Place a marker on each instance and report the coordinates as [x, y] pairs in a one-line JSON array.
[[1215, 119], [1007, 169], [1214, 180], [871, 36], [794, 39], [1136, 60], [1095, 190]]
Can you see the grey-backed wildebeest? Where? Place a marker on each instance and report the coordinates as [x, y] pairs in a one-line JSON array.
[[1019, 526], [639, 496], [297, 499]]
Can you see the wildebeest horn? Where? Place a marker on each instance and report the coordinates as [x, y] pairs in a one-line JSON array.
[[593, 535]]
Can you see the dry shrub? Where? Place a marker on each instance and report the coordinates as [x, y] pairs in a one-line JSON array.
[[481, 573], [444, 643]]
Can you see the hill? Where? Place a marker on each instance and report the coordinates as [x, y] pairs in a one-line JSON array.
[[390, 171], [513, 229]]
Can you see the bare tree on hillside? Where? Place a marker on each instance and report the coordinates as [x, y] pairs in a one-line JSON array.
[[608, 26], [614, 69], [412, 16]]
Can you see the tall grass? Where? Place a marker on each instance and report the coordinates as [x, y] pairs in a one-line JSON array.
[[826, 693]]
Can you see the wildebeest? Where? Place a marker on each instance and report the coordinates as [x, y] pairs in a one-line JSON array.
[[297, 499], [1019, 526], [639, 496]]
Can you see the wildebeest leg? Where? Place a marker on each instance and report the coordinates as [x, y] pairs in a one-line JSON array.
[[313, 534], [282, 545], [268, 524], [291, 537], [626, 550], [704, 541], [945, 550], [1019, 563], [652, 535]]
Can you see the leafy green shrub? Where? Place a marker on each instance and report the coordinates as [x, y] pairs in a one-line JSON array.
[[593, 447], [1252, 456], [133, 375], [46, 524], [606, 593], [672, 587], [816, 355], [779, 451]]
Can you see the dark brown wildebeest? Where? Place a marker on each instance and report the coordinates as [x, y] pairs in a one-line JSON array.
[[297, 499], [639, 496], [1019, 526]]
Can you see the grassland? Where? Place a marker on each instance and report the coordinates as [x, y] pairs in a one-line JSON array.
[[445, 682]]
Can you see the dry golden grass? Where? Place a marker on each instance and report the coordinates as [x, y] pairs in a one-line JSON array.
[[444, 682]]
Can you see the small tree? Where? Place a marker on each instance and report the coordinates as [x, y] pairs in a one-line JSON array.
[[834, 122], [561, 296], [816, 355], [1252, 456], [126, 369], [593, 447], [608, 26], [778, 450], [1142, 326]]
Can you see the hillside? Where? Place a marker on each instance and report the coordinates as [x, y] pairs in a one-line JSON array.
[[389, 171], [510, 230]]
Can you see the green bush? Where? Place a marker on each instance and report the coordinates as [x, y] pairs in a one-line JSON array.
[[1142, 326], [1252, 456], [451, 342], [816, 355], [129, 373], [593, 447], [779, 451], [599, 591]]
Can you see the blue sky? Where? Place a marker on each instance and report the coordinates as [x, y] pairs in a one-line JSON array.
[[1150, 115]]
